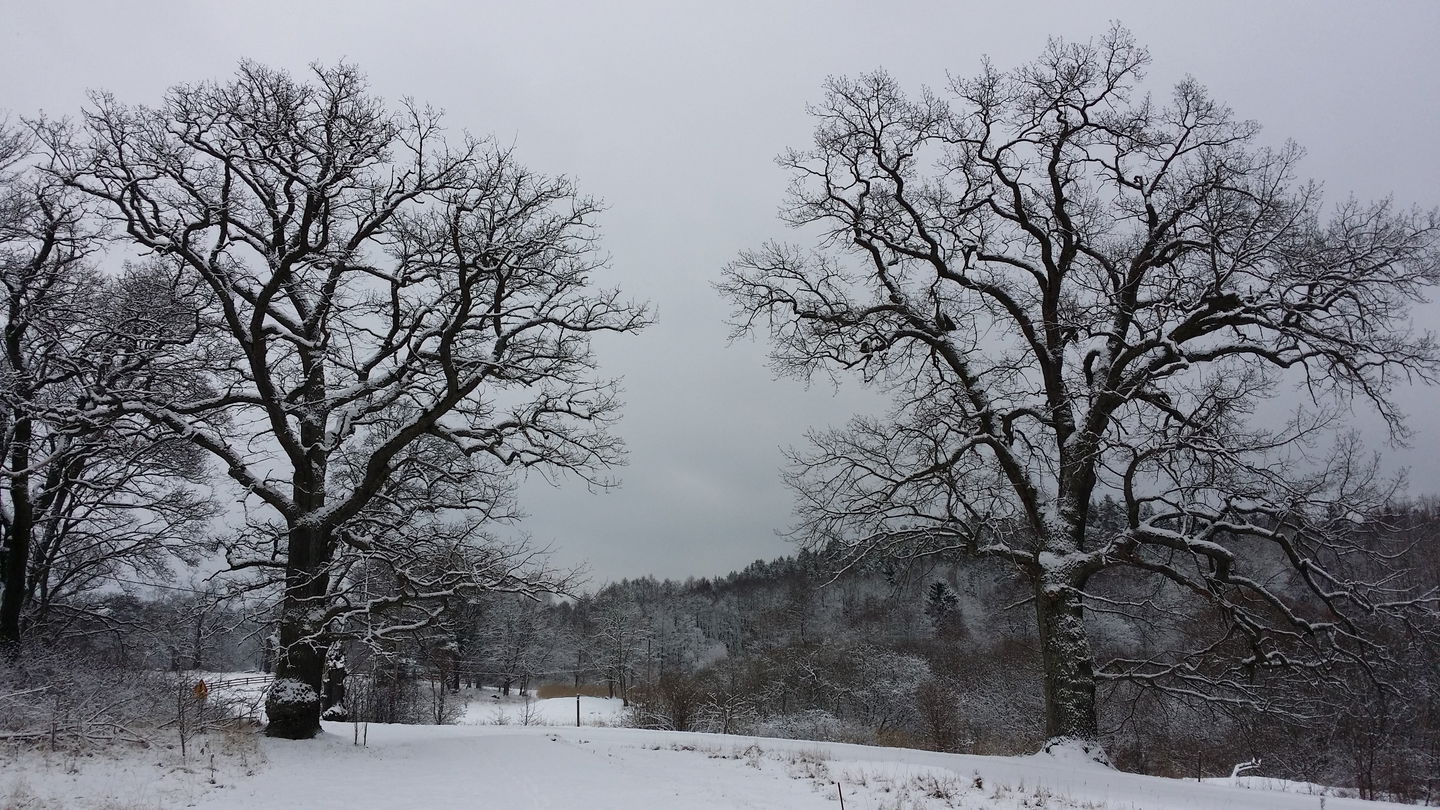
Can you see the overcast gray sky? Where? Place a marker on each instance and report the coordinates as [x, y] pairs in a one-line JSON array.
[[673, 111]]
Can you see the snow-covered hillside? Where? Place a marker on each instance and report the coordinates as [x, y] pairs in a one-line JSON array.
[[495, 766]]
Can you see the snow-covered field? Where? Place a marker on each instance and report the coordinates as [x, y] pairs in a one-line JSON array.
[[509, 766]]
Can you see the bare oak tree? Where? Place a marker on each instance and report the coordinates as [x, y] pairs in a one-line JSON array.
[[1074, 290], [385, 310]]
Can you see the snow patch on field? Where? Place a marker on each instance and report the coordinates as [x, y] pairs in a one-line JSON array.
[[487, 707]]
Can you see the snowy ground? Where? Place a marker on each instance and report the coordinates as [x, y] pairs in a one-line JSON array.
[[128, 777], [508, 766], [1268, 783]]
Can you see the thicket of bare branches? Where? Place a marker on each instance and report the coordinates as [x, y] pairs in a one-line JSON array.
[[89, 492]]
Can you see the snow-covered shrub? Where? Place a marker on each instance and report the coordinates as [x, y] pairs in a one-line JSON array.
[[64, 697], [673, 702], [726, 712], [881, 691], [813, 724], [937, 703]]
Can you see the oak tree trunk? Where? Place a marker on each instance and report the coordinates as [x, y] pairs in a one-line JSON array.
[[1067, 658], [293, 704]]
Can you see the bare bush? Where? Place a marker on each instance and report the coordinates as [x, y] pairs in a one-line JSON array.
[[65, 698]]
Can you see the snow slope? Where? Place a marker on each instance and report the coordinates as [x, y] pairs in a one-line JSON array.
[[626, 769]]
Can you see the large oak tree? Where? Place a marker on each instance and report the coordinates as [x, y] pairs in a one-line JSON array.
[[393, 320], [1074, 290]]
